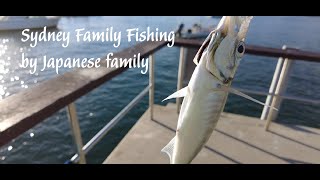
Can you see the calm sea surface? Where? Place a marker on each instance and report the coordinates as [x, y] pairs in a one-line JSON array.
[[51, 141]]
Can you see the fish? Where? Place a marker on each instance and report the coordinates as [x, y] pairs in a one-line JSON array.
[[206, 93]]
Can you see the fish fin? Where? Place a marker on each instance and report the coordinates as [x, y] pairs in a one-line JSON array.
[[168, 149], [239, 93], [181, 93]]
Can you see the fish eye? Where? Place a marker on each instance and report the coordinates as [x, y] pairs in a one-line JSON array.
[[240, 49]]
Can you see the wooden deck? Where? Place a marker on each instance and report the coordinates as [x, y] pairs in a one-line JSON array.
[[237, 139]]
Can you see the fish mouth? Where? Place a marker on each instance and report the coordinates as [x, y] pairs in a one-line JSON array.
[[227, 80]]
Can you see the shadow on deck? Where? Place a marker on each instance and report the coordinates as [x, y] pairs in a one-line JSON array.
[[237, 139]]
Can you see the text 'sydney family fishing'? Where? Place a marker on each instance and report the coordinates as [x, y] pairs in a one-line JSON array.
[[206, 94]]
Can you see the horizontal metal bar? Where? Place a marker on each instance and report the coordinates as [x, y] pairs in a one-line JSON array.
[[86, 148], [290, 53], [316, 102], [283, 96]]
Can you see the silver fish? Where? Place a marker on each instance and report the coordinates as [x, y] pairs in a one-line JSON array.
[[205, 96]]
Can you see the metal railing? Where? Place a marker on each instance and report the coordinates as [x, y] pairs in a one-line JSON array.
[[280, 78], [82, 150], [18, 124]]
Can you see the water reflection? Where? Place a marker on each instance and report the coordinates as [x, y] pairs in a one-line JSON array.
[[13, 78]]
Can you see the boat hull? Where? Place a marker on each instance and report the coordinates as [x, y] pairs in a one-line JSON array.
[[28, 23]]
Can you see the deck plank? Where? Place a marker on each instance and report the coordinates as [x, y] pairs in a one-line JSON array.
[[237, 139]]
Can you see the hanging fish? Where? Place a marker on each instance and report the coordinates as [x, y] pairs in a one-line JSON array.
[[205, 96]]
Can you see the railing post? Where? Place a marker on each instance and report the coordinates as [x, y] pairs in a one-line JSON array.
[[272, 88], [180, 75], [280, 90], [72, 115], [151, 85]]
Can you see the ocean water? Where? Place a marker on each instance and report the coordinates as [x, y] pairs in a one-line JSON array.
[[51, 141]]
